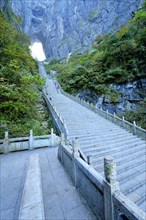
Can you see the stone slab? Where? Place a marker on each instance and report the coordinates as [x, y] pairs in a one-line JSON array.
[[7, 214], [57, 187], [32, 200], [32, 212]]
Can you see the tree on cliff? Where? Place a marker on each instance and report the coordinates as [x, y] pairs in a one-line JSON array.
[[19, 81]]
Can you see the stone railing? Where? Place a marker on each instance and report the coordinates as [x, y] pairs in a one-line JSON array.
[[102, 194], [27, 143], [58, 121], [133, 128]]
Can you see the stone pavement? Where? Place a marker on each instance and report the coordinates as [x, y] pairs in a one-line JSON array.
[[61, 199], [99, 138]]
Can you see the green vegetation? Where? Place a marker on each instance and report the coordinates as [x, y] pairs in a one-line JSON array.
[[92, 15], [139, 116], [20, 82], [114, 58]]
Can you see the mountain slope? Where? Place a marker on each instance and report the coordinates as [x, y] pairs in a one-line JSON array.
[[64, 26]]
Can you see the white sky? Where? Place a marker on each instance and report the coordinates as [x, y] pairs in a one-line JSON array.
[[37, 51]]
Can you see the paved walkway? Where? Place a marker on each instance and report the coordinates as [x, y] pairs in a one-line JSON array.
[[99, 138], [61, 200]]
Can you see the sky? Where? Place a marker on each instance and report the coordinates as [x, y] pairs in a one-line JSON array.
[[37, 51]]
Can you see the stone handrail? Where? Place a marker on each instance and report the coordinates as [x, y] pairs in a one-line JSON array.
[[127, 207], [103, 194], [59, 122], [27, 143], [133, 128]]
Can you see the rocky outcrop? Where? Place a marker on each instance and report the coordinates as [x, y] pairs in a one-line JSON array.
[[128, 97], [65, 26]]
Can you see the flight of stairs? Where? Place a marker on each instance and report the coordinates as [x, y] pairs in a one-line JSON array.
[[99, 138]]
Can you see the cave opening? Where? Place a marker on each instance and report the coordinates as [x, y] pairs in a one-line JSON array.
[[37, 51]]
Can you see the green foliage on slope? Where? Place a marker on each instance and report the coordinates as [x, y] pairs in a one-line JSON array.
[[114, 58], [139, 116], [20, 82]]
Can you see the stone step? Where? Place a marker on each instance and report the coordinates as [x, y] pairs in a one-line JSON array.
[[141, 200], [120, 159], [108, 136], [88, 136], [99, 137], [120, 164], [98, 141], [124, 167], [110, 149], [128, 188], [85, 126], [95, 130], [120, 141], [131, 174], [93, 150], [105, 137], [130, 165]]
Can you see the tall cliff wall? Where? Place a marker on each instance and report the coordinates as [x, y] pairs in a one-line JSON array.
[[64, 26]]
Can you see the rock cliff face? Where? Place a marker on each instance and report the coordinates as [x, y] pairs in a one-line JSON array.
[[128, 98], [65, 26]]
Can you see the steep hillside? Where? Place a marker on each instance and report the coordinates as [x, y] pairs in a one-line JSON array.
[[114, 59], [66, 26], [20, 82]]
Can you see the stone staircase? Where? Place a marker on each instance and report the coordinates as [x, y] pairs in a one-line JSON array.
[[99, 137]]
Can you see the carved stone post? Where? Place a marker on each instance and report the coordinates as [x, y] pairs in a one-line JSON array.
[[31, 140], [134, 127], [114, 118], [52, 141], [89, 159], [62, 139], [76, 147], [6, 144], [110, 186], [107, 113], [101, 110], [123, 122], [60, 150]]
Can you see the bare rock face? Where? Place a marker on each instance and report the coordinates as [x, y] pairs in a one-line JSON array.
[[65, 26]]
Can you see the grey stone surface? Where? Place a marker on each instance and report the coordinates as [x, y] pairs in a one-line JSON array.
[[61, 199], [99, 138], [129, 96], [32, 200], [7, 214], [65, 26]]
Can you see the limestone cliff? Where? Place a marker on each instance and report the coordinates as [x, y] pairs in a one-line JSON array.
[[65, 26]]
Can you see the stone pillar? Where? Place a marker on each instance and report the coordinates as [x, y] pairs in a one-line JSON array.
[[89, 159], [123, 122], [110, 186], [76, 147], [134, 127], [31, 140], [107, 113], [62, 139], [6, 144], [52, 141], [114, 118], [60, 150]]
